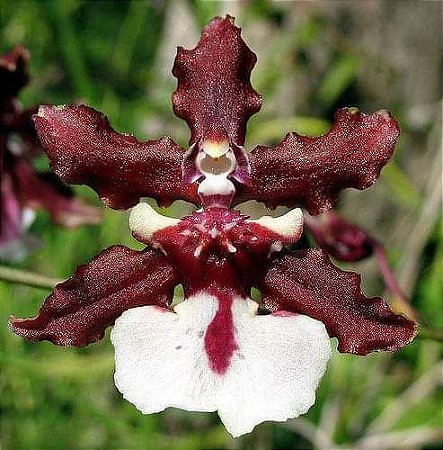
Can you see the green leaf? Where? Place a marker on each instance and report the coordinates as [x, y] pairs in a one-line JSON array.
[[339, 78]]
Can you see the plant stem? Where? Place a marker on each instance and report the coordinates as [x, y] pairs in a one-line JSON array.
[[27, 278]]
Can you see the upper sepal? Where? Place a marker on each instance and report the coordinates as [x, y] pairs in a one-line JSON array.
[[84, 149], [214, 94], [306, 282], [81, 308], [311, 171]]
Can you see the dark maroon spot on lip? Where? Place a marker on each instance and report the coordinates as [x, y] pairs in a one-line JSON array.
[[220, 343]]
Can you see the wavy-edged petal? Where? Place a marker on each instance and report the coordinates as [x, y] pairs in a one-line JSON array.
[[81, 308], [84, 149], [310, 172], [308, 283], [214, 94]]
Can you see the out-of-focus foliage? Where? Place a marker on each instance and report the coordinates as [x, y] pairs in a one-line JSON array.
[[109, 54]]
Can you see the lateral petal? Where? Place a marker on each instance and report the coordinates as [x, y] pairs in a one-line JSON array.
[[310, 172], [81, 308], [306, 282], [84, 149], [214, 94]]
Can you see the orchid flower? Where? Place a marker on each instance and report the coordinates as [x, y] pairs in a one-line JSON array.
[[23, 189], [216, 350]]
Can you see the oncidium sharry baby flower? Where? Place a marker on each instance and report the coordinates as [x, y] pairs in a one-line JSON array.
[[217, 350]]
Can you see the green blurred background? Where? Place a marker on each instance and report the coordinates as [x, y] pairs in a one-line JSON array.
[[313, 58]]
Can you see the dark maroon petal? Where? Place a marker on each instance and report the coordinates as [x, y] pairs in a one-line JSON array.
[[306, 282], [341, 239], [46, 191], [310, 172], [13, 72], [81, 308], [84, 149], [214, 94]]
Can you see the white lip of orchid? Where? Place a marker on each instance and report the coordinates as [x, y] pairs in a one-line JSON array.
[[289, 226], [162, 361], [144, 221]]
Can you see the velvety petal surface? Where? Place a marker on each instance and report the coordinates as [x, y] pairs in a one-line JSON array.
[[310, 172], [84, 149], [214, 94], [162, 361], [306, 282], [81, 308]]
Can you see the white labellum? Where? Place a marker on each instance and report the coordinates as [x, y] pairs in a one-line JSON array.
[[161, 361]]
